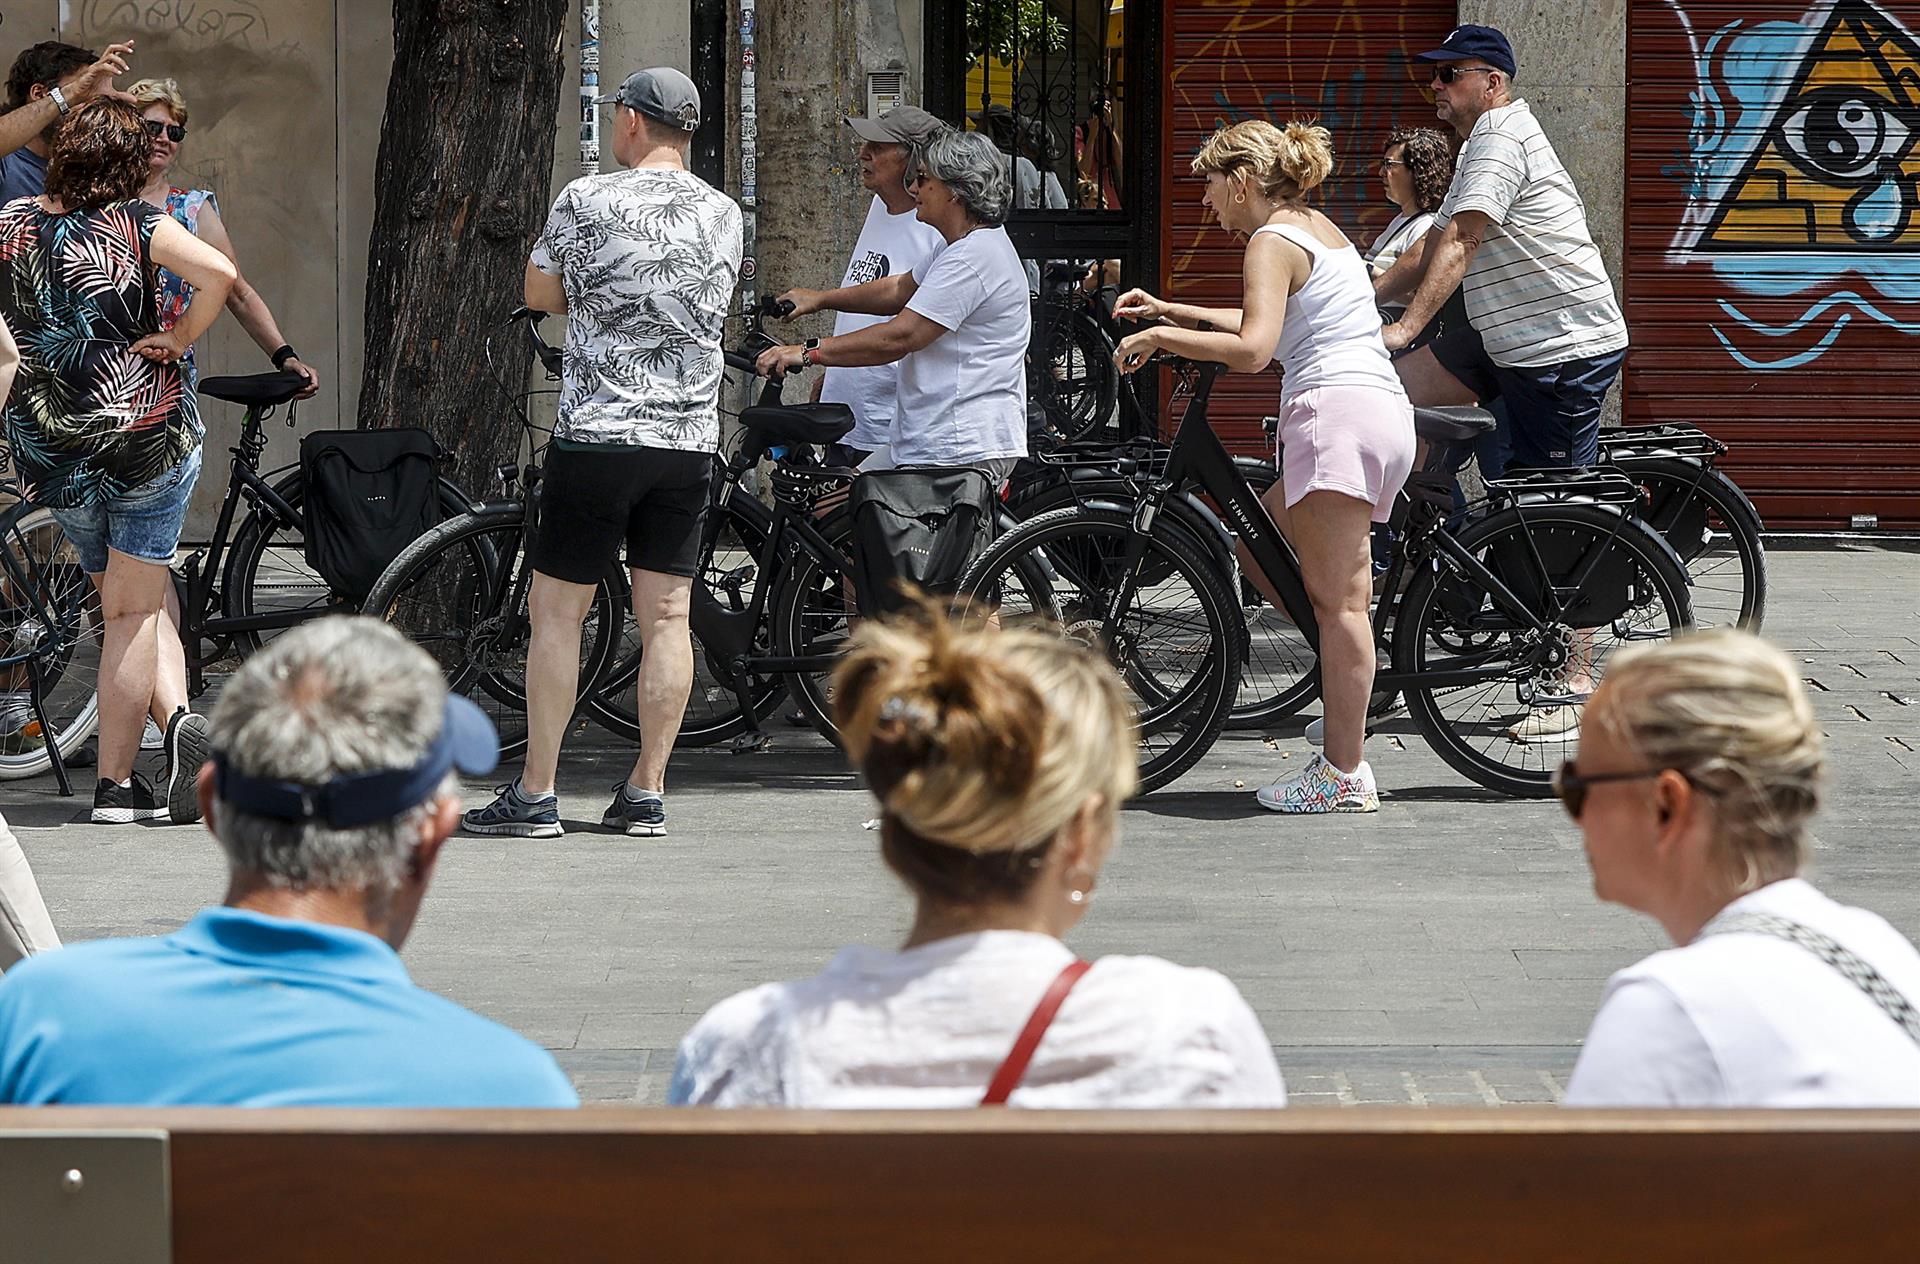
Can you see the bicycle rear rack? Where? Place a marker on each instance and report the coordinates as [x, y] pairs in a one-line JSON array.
[[1593, 486], [1671, 440]]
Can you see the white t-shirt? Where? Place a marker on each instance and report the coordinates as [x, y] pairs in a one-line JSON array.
[[649, 259], [1749, 1020], [888, 246], [1331, 335], [1537, 289], [927, 1027], [963, 398], [1395, 240]]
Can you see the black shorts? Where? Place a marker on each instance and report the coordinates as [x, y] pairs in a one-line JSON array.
[[1553, 411], [592, 498]]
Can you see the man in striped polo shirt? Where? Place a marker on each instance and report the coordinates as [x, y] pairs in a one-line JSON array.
[[1546, 335]]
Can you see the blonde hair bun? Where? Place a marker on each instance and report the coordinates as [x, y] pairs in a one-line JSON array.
[[981, 739], [1283, 162]]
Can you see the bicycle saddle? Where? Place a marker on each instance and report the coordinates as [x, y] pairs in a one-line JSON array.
[[798, 423], [1452, 425], [255, 390]]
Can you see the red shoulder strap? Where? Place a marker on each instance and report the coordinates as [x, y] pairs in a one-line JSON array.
[[1008, 1077]]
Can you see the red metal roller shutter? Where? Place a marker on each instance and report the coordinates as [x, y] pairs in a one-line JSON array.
[[1345, 63], [1773, 249]]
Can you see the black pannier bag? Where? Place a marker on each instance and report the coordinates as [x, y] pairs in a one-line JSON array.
[[369, 494], [917, 527]]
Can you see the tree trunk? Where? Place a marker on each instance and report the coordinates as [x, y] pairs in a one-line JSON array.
[[461, 190]]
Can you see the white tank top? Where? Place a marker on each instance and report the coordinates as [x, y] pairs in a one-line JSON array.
[[1332, 331]]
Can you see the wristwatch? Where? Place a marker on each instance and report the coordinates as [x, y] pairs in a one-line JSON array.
[[59, 99], [806, 353]]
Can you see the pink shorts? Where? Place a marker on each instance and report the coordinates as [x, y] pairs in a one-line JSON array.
[[1355, 440]]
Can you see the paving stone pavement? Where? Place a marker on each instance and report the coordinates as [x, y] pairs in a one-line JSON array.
[[1446, 951]]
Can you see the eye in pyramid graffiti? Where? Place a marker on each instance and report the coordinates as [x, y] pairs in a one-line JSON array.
[[1838, 168]]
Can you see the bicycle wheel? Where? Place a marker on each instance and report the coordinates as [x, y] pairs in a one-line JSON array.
[[47, 604], [723, 593], [1071, 372], [1595, 579], [813, 613], [1176, 649], [1715, 529], [267, 573], [449, 592]]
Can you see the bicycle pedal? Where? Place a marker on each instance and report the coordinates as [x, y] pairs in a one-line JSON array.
[[752, 743]]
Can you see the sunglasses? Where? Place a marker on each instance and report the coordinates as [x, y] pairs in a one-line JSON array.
[[1387, 164], [175, 132], [1447, 72], [1572, 788]]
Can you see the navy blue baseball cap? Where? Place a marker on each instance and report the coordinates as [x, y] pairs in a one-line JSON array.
[[1481, 43], [467, 741]]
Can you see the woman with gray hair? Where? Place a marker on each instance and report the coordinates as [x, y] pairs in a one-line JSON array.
[[1699, 769], [959, 322]]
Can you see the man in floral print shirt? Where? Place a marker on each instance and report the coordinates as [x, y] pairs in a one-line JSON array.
[[643, 263]]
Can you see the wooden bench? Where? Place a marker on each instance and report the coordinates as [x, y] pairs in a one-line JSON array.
[[629, 1184]]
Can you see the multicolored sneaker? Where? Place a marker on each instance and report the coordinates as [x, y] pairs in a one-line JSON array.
[[513, 814], [642, 817], [1321, 787]]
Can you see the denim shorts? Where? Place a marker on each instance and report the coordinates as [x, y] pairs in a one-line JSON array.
[[1553, 411], [143, 523]]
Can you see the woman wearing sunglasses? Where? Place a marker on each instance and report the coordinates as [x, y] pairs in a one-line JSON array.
[[1699, 771], [165, 111]]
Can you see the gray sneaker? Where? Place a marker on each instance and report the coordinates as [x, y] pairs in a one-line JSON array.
[[514, 815], [644, 817]]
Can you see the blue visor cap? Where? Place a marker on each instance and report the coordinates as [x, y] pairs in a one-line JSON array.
[[467, 742]]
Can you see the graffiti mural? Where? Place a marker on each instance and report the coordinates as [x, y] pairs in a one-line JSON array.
[[1802, 177], [1346, 67]]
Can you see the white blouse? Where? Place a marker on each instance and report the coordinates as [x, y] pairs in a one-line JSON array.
[[1749, 1020], [927, 1027]]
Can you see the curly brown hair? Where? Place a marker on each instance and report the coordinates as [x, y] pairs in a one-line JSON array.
[[100, 155], [1429, 160]]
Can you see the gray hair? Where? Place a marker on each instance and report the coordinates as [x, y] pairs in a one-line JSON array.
[[968, 163], [334, 696]]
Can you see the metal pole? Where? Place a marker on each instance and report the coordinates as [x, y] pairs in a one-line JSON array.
[[749, 163], [589, 86]]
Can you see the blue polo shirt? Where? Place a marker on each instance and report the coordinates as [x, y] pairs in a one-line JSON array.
[[23, 173], [242, 1009]]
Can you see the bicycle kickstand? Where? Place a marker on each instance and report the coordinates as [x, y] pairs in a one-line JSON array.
[[755, 739], [46, 730]]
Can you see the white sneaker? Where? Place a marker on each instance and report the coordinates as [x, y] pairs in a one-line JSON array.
[[1321, 787], [1548, 724], [151, 738]]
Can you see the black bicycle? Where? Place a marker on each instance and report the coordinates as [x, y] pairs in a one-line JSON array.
[[460, 591], [772, 604], [257, 576], [1504, 626], [50, 630], [234, 593]]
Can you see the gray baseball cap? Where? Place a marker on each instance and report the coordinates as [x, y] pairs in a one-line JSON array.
[[663, 94], [902, 125]]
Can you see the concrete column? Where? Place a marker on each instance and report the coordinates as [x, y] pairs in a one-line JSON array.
[[1573, 72], [813, 60]]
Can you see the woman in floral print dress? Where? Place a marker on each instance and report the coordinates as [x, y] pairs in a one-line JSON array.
[[102, 429]]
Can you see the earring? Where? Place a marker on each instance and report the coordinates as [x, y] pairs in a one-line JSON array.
[[1077, 896], [1239, 198]]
